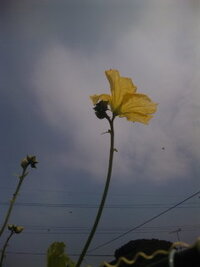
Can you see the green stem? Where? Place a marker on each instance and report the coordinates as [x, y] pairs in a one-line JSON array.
[[12, 202], [99, 213], [4, 248]]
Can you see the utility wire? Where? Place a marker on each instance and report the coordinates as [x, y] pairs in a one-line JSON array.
[[43, 253], [51, 230], [119, 229], [121, 235], [89, 206], [103, 233], [88, 193], [145, 222]]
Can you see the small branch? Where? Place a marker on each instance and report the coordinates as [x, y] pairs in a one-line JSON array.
[[12, 201], [29, 160], [4, 248]]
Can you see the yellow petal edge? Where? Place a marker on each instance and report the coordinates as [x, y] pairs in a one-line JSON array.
[[124, 101]]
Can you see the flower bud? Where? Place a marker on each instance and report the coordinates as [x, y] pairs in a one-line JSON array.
[[24, 163], [32, 161], [10, 227], [29, 160], [100, 109], [15, 229], [18, 229]]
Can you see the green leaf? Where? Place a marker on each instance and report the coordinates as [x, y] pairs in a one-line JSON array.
[[56, 256]]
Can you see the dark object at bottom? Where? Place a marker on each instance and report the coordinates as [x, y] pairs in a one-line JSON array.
[[187, 258]]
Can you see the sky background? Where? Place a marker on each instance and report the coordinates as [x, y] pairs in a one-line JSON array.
[[53, 54]]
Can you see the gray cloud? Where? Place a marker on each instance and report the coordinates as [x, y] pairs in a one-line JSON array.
[[60, 64], [155, 57]]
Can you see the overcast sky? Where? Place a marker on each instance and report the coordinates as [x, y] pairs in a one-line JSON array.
[[52, 58]]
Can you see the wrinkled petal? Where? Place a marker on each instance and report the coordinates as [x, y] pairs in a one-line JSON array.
[[119, 87], [137, 117], [96, 98], [124, 101], [137, 107]]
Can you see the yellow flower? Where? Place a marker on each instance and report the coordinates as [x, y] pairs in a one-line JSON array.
[[124, 101]]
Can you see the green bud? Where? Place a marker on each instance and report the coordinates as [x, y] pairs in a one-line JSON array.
[[24, 163], [29, 160], [32, 161], [16, 229], [10, 227]]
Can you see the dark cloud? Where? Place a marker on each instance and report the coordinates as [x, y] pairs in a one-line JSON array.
[[87, 25]]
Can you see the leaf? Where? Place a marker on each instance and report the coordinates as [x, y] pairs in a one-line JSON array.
[[56, 256]]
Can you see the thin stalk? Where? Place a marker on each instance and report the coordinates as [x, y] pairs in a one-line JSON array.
[[4, 248], [12, 201], [101, 206]]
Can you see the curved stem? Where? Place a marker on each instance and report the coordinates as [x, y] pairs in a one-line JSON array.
[[4, 248], [99, 213], [12, 201]]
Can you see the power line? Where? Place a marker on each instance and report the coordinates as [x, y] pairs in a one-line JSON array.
[[6, 188], [107, 229], [90, 206], [56, 230], [145, 222], [43, 253], [67, 230], [103, 233]]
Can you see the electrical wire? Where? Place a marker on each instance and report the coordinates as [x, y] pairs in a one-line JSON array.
[[145, 222], [43, 253], [118, 229], [89, 206], [48, 230]]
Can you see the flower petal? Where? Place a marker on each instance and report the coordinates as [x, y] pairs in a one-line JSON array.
[[137, 117], [137, 107], [124, 100], [119, 87], [96, 98]]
